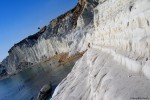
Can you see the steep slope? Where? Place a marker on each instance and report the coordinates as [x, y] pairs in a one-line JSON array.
[[115, 36], [117, 67], [98, 76], [55, 38]]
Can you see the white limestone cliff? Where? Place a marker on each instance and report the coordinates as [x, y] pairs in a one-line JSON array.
[[116, 65], [98, 76], [59, 36]]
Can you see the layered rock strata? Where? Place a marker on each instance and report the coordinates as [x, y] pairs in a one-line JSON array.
[[57, 37], [114, 34], [117, 67]]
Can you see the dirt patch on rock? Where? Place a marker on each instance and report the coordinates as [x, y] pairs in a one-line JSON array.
[[64, 58]]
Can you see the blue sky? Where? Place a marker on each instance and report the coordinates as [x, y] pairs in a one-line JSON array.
[[21, 18]]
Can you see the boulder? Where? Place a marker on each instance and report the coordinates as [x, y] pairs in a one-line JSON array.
[[44, 92]]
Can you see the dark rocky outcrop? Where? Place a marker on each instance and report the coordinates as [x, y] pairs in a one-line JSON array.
[[3, 71], [45, 92]]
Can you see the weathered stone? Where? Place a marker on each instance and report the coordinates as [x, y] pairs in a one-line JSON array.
[[45, 92]]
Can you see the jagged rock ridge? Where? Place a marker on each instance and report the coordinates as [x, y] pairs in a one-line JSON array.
[[116, 65], [56, 37]]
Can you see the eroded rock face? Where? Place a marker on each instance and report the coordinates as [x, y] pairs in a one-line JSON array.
[[58, 37], [3, 71], [44, 92], [118, 66], [99, 76], [117, 31]]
